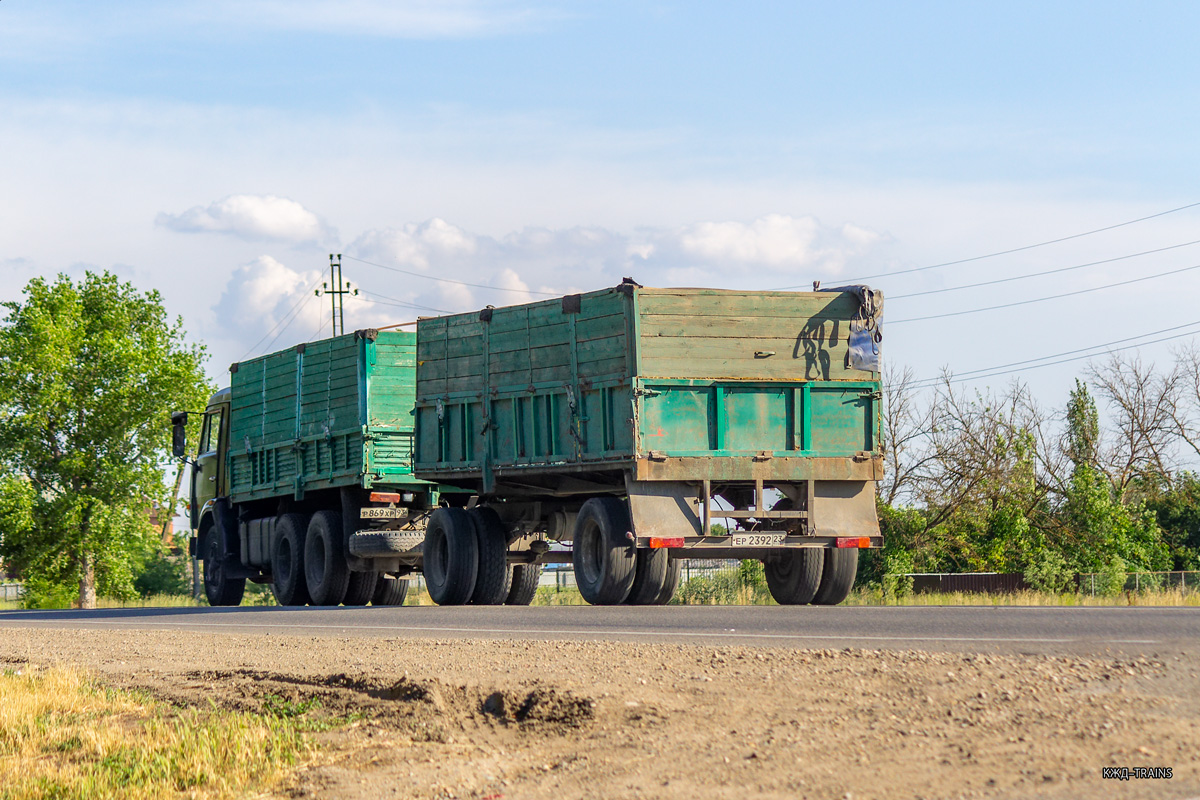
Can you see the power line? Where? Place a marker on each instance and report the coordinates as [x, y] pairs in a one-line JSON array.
[[451, 280], [1042, 272], [303, 296], [1014, 249], [403, 303], [283, 330], [1043, 299], [931, 382], [1003, 369]]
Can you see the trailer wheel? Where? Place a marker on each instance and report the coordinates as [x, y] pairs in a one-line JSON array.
[[655, 578], [794, 576], [287, 560], [837, 578], [450, 557], [390, 591], [361, 588], [491, 541], [325, 570], [523, 581], [219, 588], [603, 556]]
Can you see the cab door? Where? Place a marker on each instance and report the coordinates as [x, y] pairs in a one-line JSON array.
[[208, 483]]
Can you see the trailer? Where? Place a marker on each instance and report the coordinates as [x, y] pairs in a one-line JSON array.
[[619, 424]]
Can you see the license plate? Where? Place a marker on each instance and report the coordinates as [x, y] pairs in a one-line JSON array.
[[382, 513], [758, 539]]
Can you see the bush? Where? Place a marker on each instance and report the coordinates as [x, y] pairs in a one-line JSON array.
[[1047, 571], [896, 582], [162, 573], [42, 593]]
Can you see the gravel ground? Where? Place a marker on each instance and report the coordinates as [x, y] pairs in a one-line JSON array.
[[541, 720]]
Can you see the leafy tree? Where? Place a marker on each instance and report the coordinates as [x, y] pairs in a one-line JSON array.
[[1176, 504], [89, 373]]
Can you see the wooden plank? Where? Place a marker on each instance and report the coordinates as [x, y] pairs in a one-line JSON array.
[[796, 305]]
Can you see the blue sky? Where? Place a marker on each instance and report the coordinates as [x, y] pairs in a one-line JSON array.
[[219, 151]]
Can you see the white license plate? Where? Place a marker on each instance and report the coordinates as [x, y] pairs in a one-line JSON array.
[[382, 513], [758, 539]]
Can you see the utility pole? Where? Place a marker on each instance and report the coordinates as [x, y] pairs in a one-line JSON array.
[[335, 289]]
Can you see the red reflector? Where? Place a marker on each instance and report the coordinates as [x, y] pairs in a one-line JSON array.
[[658, 542], [385, 497], [854, 541]]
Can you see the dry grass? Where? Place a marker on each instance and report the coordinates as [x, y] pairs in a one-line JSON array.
[[1152, 597], [63, 737]]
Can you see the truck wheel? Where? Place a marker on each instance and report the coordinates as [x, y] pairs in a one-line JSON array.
[[604, 557], [287, 560], [523, 582], [325, 570], [837, 578], [655, 578], [390, 591], [794, 576], [491, 542], [450, 557], [219, 588], [360, 588]]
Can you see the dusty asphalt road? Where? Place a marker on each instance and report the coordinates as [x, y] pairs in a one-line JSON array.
[[678, 703], [1000, 630]]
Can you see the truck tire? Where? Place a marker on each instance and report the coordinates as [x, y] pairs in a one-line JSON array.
[[491, 543], [219, 588], [603, 555], [523, 583], [325, 570], [655, 578], [390, 591], [794, 576], [361, 588], [837, 577], [450, 557], [287, 560]]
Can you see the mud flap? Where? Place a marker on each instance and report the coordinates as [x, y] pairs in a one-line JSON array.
[[843, 508], [662, 508]]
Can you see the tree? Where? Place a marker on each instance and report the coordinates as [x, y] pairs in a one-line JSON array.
[[89, 373]]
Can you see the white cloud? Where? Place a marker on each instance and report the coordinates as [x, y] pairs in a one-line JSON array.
[[409, 19], [251, 217], [268, 306], [503, 270]]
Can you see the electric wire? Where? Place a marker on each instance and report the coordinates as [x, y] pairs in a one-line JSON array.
[[1004, 369], [1048, 297], [450, 280], [404, 303], [304, 296], [1041, 273], [931, 382], [1014, 249]]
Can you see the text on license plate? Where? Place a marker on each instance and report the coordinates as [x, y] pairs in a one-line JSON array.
[[382, 513], [758, 539]]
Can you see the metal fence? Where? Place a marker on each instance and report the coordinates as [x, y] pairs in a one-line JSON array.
[[11, 591], [1094, 583], [967, 582]]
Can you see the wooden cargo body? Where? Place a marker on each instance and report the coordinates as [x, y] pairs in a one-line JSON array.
[[567, 395], [324, 415]]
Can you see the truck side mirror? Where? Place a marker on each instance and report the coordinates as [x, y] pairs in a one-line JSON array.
[[179, 434]]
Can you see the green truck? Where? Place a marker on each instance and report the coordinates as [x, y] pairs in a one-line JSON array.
[[608, 429]]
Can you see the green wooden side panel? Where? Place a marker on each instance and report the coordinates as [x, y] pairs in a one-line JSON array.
[[728, 418], [334, 412]]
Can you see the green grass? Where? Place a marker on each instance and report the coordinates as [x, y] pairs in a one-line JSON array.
[[64, 737]]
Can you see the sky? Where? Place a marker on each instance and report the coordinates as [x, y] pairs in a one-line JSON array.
[[219, 152]]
